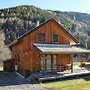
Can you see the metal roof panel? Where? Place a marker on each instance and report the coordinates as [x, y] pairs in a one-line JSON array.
[[58, 48]]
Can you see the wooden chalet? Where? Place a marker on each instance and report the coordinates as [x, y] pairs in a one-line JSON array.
[[47, 47]]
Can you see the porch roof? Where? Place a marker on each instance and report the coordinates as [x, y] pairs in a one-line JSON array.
[[59, 48]]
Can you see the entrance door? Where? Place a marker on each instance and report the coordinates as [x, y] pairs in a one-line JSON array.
[[48, 62]]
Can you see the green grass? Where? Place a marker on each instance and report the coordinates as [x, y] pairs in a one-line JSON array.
[[80, 84], [87, 64], [77, 63]]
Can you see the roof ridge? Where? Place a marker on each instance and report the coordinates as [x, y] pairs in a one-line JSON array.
[[40, 26]]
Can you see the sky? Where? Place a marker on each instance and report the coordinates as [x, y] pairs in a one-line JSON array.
[[61, 5]]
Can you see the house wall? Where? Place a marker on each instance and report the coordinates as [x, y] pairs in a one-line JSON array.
[[9, 66], [28, 56], [62, 60]]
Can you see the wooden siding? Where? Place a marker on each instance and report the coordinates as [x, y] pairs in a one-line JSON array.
[[28, 56], [9, 66], [63, 60]]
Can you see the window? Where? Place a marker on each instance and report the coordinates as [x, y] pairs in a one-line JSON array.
[[41, 37], [55, 38]]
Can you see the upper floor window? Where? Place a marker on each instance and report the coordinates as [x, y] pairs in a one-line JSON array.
[[55, 38], [41, 37]]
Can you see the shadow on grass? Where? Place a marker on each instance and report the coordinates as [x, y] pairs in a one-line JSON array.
[[87, 79]]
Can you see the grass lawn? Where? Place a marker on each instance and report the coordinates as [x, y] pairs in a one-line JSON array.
[[79, 84], [87, 65]]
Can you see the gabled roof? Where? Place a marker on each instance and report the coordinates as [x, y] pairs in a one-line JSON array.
[[32, 30]]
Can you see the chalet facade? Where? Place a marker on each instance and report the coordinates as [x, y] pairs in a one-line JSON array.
[[47, 47]]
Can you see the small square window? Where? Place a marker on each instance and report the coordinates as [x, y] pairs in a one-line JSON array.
[[41, 37], [55, 38]]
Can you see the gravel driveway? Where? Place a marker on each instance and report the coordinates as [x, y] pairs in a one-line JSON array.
[[12, 81]]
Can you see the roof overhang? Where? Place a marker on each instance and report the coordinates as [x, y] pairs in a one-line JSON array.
[[14, 42], [59, 48]]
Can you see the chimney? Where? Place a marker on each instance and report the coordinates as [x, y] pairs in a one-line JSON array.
[[37, 23]]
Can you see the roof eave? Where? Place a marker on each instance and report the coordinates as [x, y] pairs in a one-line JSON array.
[[14, 42]]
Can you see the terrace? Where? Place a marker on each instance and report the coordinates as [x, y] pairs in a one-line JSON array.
[[49, 76]]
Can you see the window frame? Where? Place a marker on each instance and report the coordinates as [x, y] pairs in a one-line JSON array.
[[55, 41], [42, 40]]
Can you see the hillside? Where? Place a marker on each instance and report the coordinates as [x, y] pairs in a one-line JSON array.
[[18, 20], [4, 51]]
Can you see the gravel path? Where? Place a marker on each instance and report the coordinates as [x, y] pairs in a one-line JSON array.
[[23, 87]]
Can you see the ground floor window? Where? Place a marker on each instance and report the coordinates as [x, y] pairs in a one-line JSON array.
[[48, 62]]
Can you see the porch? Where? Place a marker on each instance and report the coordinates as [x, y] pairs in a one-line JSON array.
[[50, 55], [49, 76]]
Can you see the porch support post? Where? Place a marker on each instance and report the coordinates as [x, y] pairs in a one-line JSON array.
[[45, 62], [42, 61], [81, 60], [71, 63], [57, 61], [51, 62]]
